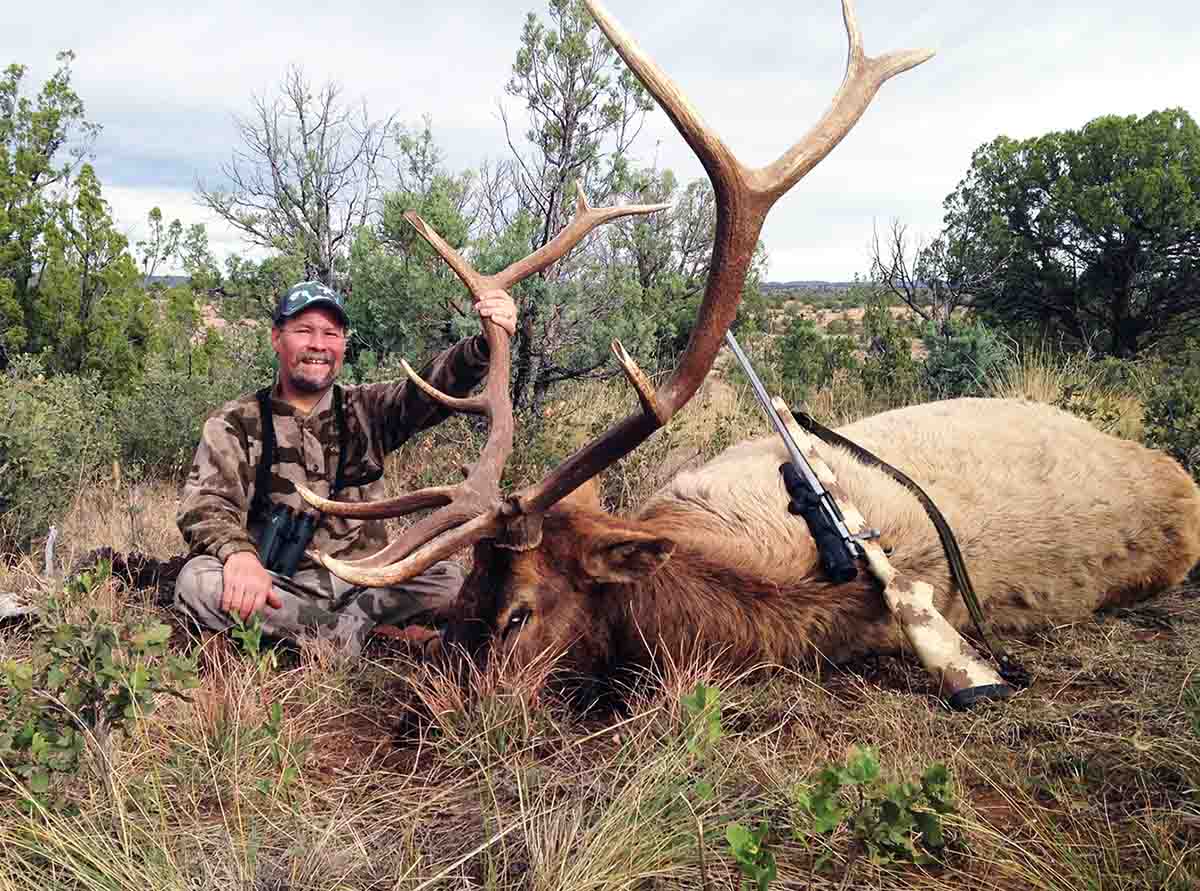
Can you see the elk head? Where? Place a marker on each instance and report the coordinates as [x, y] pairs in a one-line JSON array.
[[474, 511], [559, 602]]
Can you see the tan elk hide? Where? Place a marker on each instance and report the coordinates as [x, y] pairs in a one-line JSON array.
[[1055, 520]]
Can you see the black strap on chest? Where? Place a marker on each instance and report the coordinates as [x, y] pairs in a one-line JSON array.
[[260, 506]]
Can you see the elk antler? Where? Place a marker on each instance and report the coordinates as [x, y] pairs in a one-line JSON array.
[[472, 509], [743, 198]]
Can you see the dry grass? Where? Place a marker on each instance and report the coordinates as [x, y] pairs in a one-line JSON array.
[[410, 779], [1087, 779], [1071, 381]]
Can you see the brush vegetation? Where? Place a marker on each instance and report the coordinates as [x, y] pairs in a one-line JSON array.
[[293, 769]]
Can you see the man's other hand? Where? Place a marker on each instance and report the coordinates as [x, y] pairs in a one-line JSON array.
[[247, 586], [499, 307]]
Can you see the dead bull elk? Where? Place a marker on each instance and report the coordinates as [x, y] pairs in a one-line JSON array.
[[1055, 519]]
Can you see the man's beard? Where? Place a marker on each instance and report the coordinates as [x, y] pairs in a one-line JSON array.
[[305, 384]]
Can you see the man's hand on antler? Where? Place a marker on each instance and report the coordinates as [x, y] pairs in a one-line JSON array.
[[499, 307]]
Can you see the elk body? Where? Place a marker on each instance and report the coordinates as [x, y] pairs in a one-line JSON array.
[[1055, 520]]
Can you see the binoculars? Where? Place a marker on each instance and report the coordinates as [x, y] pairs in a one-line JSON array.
[[284, 538]]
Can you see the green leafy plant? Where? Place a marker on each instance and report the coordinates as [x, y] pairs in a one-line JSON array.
[[894, 821], [250, 636], [287, 756], [84, 681], [702, 719], [1172, 419], [750, 851]]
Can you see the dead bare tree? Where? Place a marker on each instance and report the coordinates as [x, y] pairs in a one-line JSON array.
[[307, 174], [929, 277]]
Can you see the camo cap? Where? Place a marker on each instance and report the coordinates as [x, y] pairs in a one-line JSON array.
[[306, 295]]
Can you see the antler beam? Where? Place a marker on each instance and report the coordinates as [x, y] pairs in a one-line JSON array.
[[743, 198]]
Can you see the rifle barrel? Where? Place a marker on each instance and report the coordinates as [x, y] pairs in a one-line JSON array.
[[798, 460]]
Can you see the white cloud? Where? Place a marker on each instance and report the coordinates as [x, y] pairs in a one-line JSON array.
[[131, 206], [166, 83]]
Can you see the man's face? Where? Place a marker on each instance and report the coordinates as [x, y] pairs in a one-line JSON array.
[[311, 346]]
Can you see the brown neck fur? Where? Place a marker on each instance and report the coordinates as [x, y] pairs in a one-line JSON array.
[[710, 600]]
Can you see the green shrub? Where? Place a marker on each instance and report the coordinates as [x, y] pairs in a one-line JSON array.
[[805, 360], [890, 375], [962, 356], [84, 681], [1172, 416], [159, 416], [893, 821], [54, 432]]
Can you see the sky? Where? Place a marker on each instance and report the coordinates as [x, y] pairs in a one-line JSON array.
[[167, 86]]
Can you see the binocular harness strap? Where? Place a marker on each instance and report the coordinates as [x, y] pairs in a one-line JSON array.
[[262, 479]]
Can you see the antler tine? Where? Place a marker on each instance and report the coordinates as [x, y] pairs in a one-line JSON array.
[[743, 198], [716, 157], [864, 77], [466, 507], [476, 528], [641, 383], [464, 270], [476, 405], [586, 219], [434, 496]]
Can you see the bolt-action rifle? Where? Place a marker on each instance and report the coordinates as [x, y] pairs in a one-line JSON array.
[[838, 548]]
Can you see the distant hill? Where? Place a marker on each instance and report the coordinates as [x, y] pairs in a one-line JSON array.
[[806, 285], [167, 281]]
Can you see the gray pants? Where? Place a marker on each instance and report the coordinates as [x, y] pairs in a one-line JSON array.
[[317, 604]]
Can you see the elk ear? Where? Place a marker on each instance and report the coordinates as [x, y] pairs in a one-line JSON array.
[[626, 556], [586, 496]]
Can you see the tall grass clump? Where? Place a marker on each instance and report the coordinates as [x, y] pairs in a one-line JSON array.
[[1105, 392]]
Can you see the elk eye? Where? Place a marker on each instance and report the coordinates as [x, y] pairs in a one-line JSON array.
[[517, 620]]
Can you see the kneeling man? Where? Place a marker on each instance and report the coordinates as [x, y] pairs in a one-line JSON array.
[[247, 526]]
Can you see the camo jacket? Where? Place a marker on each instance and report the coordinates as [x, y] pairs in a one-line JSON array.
[[216, 499]]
